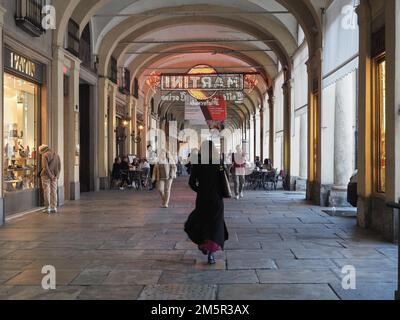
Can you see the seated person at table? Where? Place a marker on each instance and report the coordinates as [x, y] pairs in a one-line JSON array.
[[136, 162], [145, 167], [268, 165], [116, 170], [124, 167], [258, 163]]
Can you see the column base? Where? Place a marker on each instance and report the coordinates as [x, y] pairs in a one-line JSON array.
[[104, 183], [374, 214], [338, 197], [75, 191], [318, 193], [299, 184], [61, 198]]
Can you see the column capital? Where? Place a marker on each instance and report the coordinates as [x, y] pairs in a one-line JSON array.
[[58, 53], [287, 85], [271, 97], [2, 14], [363, 12], [315, 61]]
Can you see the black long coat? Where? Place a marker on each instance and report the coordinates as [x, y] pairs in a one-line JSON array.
[[207, 222]]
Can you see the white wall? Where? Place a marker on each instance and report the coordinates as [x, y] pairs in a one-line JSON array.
[[328, 134], [42, 44], [299, 107]]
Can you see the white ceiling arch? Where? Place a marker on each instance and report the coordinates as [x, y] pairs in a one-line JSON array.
[[133, 29], [305, 12]]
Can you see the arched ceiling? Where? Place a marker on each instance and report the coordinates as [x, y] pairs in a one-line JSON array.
[[172, 36]]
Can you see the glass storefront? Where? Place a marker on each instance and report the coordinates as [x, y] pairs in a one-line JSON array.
[[381, 125], [20, 134], [23, 81]]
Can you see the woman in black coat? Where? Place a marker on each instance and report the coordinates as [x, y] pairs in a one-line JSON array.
[[206, 225]]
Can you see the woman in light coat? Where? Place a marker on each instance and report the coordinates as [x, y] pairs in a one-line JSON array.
[[164, 173]]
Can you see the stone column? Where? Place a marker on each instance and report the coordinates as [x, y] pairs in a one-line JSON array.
[[132, 106], [287, 127], [314, 184], [271, 123], [365, 164], [262, 134], [57, 115], [71, 131], [255, 136], [303, 146], [112, 124], [103, 132], [343, 143], [129, 138], [393, 113], [2, 213]]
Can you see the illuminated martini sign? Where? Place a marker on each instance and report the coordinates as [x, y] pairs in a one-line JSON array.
[[203, 82]]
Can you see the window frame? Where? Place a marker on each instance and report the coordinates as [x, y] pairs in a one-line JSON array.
[[378, 173]]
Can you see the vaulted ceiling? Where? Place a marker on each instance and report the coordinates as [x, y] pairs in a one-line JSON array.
[[148, 36]]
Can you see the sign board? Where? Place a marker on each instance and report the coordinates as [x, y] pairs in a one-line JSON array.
[[181, 96], [203, 82], [211, 110], [23, 66]]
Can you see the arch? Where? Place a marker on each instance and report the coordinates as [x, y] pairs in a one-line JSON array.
[[133, 28]]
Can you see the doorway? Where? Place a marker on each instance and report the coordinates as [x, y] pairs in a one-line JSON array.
[[85, 137]]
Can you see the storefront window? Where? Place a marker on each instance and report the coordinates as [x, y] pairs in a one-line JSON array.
[[381, 125], [20, 155]]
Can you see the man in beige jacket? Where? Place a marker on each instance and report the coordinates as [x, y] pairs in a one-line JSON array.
[[51, 167], [163, 174]]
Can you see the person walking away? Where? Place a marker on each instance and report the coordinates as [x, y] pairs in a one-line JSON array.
[[50, 173], [164, 173], [206, 226], [239, 171], [152, 157]]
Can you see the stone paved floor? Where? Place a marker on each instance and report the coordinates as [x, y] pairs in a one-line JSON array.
[[121, 245]]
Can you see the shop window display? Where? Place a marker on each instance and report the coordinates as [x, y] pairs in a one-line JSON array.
[[381, 125], [20, 145]]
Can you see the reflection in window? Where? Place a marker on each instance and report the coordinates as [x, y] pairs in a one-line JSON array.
[[381, 125]]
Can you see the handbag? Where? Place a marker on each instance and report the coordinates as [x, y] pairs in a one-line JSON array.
[[225, 186]]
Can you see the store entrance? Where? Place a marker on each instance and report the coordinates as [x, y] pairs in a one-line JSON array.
[[85, 138], [20, 125]]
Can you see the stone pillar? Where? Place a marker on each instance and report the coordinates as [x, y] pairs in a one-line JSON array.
[[132, 106], [112, 124], [57, 115], [271, 123], [343, 143], [102, 137], [365, 157], [393, 113], [2, 213], [262, 134], [315, 190], [94, 148], [255, 137], [287, 127], [303, 146], [129, 138], [71, 131]]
